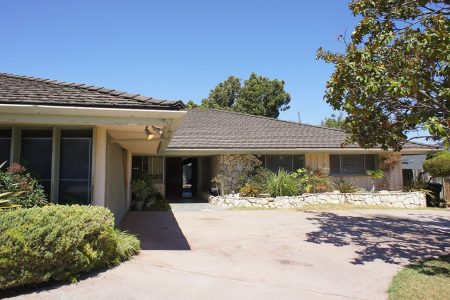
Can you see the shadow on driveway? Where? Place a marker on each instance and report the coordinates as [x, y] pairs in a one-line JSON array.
[[383, 237], [157, 230]]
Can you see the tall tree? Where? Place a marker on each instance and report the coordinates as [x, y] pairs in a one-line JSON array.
[[224, 95], [262, 96], [257, 96], [393, 79], [334, 121]]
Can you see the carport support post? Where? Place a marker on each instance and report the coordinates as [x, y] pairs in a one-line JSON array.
[[99, 166]]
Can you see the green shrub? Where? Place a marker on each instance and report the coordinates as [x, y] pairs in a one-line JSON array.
[[27, 192], [282, 184], [250, 190], [159, 202], [58, 242], [346, 186], [439, 165]]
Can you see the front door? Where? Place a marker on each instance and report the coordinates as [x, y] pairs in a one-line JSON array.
[[174, 178]]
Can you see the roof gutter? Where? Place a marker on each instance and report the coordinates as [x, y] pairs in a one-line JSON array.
[[44, 114]]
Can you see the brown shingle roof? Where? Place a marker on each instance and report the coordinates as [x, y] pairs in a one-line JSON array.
[[15, 89], [214, 129]]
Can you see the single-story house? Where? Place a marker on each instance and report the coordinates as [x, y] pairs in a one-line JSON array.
[[85, 143]]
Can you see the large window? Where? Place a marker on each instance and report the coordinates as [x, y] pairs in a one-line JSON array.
[[36, 155], [75, 166], [60, 159], [288, 163], [5, 146], [352, 164], [150, 165]]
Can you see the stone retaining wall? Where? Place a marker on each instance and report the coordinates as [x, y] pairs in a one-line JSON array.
[[388, 199]]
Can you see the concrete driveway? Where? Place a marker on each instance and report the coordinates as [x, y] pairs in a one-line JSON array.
[[266, 254]]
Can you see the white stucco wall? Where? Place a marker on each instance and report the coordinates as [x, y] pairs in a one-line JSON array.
[[116, 192]]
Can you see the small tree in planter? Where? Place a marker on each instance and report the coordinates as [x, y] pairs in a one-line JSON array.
[[142, 190], [375, 174]]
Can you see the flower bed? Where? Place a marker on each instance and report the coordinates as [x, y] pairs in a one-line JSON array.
[[382, 199]]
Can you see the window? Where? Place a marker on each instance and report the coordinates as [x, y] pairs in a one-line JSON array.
[[36, 155], [5, 146], [151, 165], [75, 167], [288, 163], [351, 164]]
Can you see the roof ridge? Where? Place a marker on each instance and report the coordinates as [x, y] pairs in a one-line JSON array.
[[269, 118], [437, 146], [84, 86]]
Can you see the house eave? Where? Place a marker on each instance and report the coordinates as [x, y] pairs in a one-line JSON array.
[[63, 115], [206, 152]]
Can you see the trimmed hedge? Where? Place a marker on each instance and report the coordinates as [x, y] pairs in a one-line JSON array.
[[59, 242]]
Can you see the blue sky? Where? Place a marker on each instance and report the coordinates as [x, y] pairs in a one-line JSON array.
[[176, 49]]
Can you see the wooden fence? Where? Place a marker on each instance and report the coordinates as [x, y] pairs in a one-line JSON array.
[[446, 188]]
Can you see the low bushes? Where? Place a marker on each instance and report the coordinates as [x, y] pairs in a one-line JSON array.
[[58, 243], [26, 191], [285, 183]]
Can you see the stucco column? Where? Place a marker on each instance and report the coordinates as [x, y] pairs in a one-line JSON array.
[[100, 166]]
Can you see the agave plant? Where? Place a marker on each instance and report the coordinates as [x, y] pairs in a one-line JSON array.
[[5, 202]]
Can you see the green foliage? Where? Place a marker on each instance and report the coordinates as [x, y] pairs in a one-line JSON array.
[[376, 174], [250, 190], [159, 202], [142, 188], [282, 184], [439, 165], [334, 121], [26, 191], [319, 181], [59, 242], [257, 96], [224, 95], [191, 104], [346, 186], [393, 78], [127, 245]]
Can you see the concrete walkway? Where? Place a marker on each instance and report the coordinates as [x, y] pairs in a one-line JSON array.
[[266, 255]]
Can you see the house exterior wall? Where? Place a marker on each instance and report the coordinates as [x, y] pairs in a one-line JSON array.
[[116, 192], [233, 166]]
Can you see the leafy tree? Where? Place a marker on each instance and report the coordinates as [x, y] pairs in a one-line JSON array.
[[224, 95], [438, 165], [393, 78], [191, 104], [257, 96], [334, 121]]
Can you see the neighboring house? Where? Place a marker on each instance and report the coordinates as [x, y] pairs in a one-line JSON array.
[[85, 143], [412, 167]]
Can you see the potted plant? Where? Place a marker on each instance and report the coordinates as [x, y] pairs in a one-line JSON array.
[[142, 190], [375, 174]]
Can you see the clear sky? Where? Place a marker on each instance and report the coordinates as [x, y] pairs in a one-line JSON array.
[[176, 49]]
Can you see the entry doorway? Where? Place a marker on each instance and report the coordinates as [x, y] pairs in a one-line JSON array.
[[181, 179]]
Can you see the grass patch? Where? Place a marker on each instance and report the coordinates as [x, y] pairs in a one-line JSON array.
[[428, 279]]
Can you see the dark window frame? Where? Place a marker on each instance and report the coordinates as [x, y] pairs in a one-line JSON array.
[[291, 158], [365, 167]]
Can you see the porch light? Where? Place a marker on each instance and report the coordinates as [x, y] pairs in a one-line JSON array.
[[158, 130], [149, 134]]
